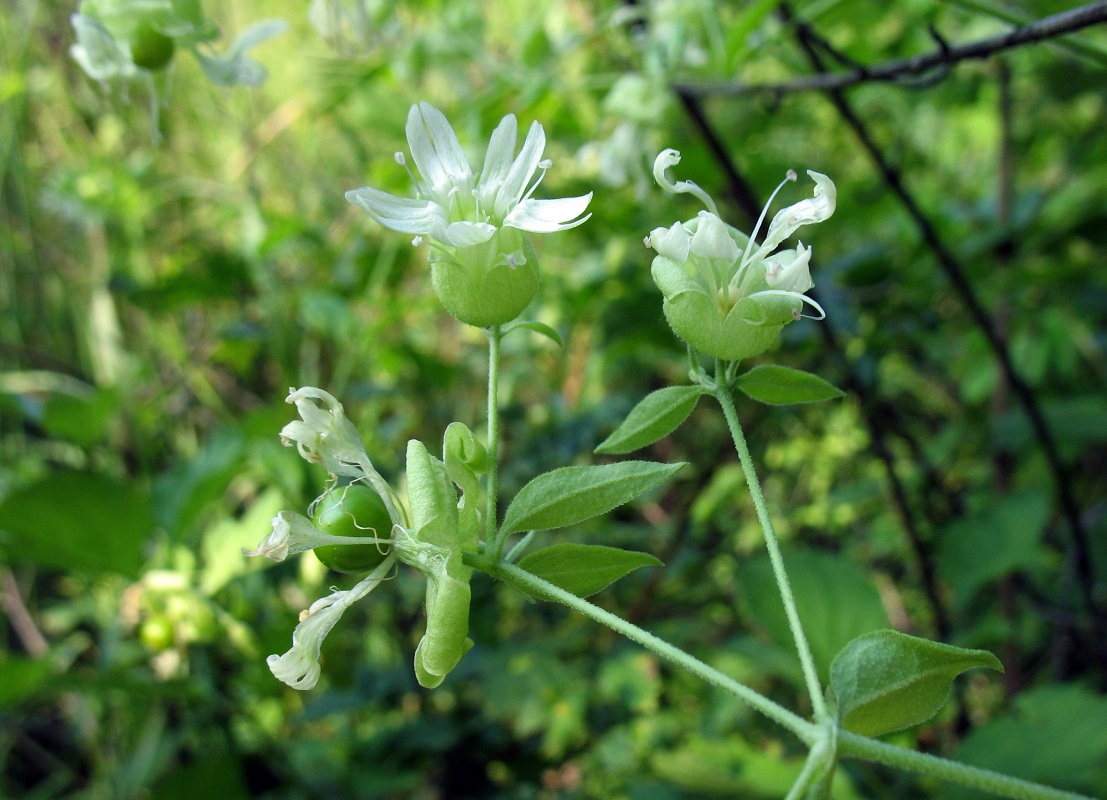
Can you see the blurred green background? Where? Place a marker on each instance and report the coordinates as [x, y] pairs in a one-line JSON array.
[[157, 301]]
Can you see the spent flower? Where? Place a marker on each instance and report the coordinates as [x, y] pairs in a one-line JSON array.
[[724, 294]]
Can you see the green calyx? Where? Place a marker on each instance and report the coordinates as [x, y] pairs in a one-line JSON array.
[[489, 283], [732, 323], [444, 529]]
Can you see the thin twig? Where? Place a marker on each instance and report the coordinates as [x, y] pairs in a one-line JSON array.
[[942, 59], [955, 273]]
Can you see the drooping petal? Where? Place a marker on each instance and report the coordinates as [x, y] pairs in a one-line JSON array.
[[435, 149], [501, 149], [547, 216], [294, 533], [790, 269], [805, 212], [299, 667], [522, 169], [97, 52], [401, 214]]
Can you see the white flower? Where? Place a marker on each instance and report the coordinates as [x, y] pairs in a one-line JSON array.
[[325, 436], [455, 206], [299, 667]]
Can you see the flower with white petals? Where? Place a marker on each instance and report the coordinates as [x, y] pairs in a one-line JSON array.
[[299, 667], [724, 294], [324, 435], [484, 269], [459, 208]]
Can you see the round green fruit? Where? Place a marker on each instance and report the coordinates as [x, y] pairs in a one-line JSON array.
[[353, 511], [150, 48]]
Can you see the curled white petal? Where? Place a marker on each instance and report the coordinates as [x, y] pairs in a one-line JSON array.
[[299, 667], [806, 212], [325, 436], [400, 214], [669, 158]]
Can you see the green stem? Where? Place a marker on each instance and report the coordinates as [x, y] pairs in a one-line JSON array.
[[856, 746], [541, 588], [496, 544], [814, 688]]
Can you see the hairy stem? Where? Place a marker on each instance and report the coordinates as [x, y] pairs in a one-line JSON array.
[[811, 677], [495, 542], [856, 746], [542, 588]]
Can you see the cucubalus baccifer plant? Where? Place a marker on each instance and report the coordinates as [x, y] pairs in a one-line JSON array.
[[727, 295]]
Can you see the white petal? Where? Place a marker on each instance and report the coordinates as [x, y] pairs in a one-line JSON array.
[[547, 216], [515, 183], [712, 240], [501, 148], [790, 270], [402, 214], [435, 148], [805, 212], [672, 242], [467, 234]]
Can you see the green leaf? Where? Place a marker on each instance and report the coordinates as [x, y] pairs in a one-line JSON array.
[[836, 601], [538, 327], [1072, 719], [573, 494], [77, 521], [657, 415], [1004, 537], [584, 569], [886, 680], [781, 386]]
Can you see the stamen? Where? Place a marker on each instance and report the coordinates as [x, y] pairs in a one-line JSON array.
[[746, 257], [543, 165], [401, 159]]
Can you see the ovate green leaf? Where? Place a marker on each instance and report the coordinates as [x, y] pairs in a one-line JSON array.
[[584, 569], [885, 681], [657, 415], [781, 386], [573, 494]]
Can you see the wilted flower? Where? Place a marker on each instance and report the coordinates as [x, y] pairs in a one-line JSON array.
[[294, 533], [324, 435], [725, 295], [484, 269], [299, 667]]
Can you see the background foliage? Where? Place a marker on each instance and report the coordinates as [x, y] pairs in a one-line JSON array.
[[158, 301]]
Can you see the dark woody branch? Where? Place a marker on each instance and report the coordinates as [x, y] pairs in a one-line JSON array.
[[919, 66]]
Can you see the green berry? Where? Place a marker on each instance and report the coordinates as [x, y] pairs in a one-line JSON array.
[[353, 511]]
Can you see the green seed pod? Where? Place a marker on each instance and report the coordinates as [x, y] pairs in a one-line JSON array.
[[355, 510]]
